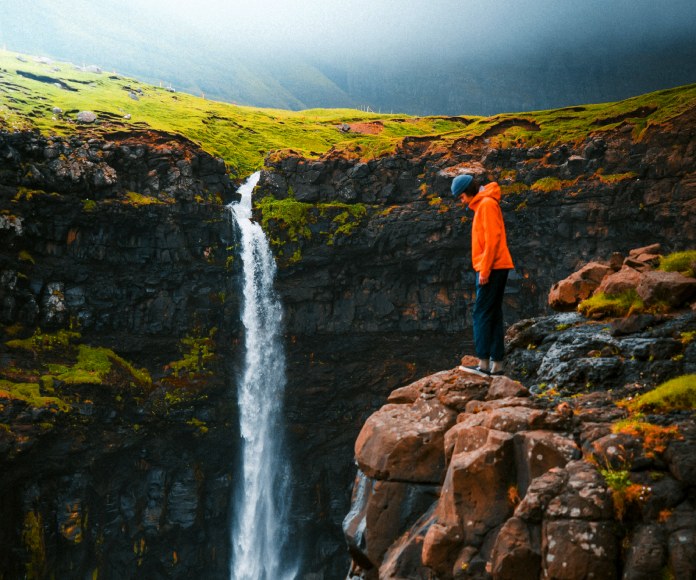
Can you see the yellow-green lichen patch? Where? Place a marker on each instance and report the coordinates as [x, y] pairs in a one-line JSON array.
[[198, 351], [41, 342], [676, 394], [682, 262], [601, 304], [31, 394]]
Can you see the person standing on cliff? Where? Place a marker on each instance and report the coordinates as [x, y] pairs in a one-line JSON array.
[[492, 262]]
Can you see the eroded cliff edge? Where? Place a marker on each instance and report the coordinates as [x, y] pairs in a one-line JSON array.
[[591, 475], [375, 257]]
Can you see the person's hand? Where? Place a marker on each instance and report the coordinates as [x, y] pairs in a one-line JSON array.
[[483, 279]]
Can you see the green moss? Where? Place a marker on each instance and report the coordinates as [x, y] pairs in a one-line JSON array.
[[617, 177], [92, 367], [292, 216], [514, 188], [678, 393], [31, 394], [138, 199], [548, 184], [89, 205], [199, 425], [40, 342], [197, 353], [601, 305], [687, 337], [33, 538], [682, 262], [25, 256]]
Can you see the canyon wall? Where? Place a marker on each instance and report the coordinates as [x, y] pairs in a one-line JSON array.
[[125, 241]]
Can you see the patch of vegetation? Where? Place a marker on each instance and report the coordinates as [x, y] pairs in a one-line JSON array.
[[30, 393], [617, 177], [138, 199], [243, 136], [294, 219], [549, 184], [93, 366], [89, 205], [676, 394], [40, 342], [687, 337], [601, 304], [682, 262], [623, 490], [291, 215], [25, 256], [197, 351], [655, 437], [33, 538], [514, 188]]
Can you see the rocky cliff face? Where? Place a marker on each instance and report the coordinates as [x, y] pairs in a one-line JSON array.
[[468, 477], [400, 278], [115, 246], [125, 237]]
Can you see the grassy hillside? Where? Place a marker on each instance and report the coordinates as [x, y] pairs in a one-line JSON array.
[[242, 136]]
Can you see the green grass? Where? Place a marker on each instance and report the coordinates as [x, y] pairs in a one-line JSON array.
[[678, 393], [243, 136], [601, 305], [682, 262]]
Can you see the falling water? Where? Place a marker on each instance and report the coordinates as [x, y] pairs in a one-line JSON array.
[[259, 528]]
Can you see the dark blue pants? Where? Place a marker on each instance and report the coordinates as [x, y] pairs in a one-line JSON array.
[[489, 334]]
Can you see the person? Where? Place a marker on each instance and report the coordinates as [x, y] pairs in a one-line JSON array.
[[492, 263]]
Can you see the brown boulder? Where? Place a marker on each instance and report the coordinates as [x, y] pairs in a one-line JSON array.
[[440, 547], [645, 258], [514, 419], [404, 560], [646, 555], [585, 495], [474, 497], [573, 549], [480, 406], [517, 552], [540, 451], [669, 287], [454, 388], [505, 387], [380, 512], [405, 442], [568, 293], [625, 279], [540, 493]]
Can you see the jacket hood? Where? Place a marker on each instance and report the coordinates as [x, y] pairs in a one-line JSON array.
[[491, 190]]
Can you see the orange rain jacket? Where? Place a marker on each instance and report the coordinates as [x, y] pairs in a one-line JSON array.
[[489, 249]]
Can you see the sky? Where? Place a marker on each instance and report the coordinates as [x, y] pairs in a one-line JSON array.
[[117, 34], [361, 26]]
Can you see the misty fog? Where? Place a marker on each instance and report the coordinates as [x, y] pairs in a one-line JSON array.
[[442, 56]]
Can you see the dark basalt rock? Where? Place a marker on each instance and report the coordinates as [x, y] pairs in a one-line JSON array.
[[374, 310]]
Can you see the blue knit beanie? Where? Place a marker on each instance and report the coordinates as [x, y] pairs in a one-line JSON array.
[[460, 183]]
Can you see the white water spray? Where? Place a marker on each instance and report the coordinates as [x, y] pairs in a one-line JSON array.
[[259, 528]]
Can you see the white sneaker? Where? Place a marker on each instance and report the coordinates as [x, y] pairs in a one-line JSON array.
[[475, 371]]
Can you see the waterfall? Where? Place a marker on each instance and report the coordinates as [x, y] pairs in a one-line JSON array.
[[259, 527]]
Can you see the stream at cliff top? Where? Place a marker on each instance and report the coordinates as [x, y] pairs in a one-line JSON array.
[[260, 502]]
